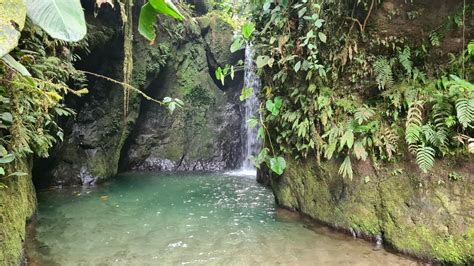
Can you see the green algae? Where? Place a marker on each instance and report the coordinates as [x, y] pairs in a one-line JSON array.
[[17, 205]]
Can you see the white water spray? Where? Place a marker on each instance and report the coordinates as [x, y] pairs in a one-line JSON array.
[[250, 110]]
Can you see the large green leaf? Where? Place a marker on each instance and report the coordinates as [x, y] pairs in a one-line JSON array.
[[61, 19], [278, 165], [147, 21], [166, 7], [148, 14], [12, 21], [247, 30]]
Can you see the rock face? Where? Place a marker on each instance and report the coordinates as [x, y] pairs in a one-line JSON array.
[[17, 204], [204, 135], [431, 217]]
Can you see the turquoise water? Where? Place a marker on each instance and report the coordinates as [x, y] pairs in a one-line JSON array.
[[206, 219]]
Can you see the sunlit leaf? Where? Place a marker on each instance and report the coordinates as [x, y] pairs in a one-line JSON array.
[[146, 22], [61, 19], [262, 61], [278, 165], [166, 7], [7, 159], [246, 93], [247, 30], [322, 37]]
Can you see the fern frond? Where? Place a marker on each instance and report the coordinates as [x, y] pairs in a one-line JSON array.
[[383, 72], [413, 134], [346, 168], [425, 157], [465, 111], [413, 124], [437, 138], [363, 114], [440, 114], [405, 60], [390, 141]]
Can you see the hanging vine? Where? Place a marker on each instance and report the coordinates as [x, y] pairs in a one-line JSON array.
[[126, 12]]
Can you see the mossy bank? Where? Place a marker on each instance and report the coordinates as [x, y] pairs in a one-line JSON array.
[[427, 216], [17, 205]]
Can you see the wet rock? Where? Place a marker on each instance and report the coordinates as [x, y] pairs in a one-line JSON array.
[[413, 212], [200, 6], [202, 136], [219, 38]]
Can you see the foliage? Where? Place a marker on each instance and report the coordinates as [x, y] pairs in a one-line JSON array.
[[63, 20], [148, 16], [329, 109], [31, 104]]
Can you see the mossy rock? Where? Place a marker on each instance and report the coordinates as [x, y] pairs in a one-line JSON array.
[[17, 205], [219, 38], [195, 137], [428, 216]]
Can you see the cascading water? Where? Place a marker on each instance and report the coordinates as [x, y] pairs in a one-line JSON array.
[[251, 105]]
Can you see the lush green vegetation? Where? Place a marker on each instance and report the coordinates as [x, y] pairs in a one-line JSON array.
[[334, 88], [38, 71], [344, 82]]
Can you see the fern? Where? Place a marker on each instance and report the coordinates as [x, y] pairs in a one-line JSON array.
[[388, 142], [425, 157], [413, 125], [363, 114], [436, 138], [383, 72], [435, 39], [405, 60], [465, 111], [441, 113], [346, 168]]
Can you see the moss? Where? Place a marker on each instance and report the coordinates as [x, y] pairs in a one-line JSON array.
[[414, 215], [220, 15], [17, 204], [203, 22], [423, 241]]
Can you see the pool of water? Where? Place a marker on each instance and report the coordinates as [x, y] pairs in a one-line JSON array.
[[211, 219]]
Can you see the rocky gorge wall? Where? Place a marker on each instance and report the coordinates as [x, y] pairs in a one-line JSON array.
[[430, 216], [203, 135]]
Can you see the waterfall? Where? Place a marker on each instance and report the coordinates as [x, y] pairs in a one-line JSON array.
[[250, 110]]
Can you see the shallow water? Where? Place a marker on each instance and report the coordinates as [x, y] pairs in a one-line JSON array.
[[207, 219]]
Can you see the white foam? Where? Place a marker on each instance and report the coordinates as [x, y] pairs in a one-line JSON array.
[[250, 173]]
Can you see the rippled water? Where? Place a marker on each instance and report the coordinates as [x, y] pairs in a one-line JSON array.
[[198, 219]]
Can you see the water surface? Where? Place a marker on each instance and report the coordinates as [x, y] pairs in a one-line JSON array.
[[206, 219]]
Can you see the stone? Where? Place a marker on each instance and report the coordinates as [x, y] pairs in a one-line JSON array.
[[413, 214]]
